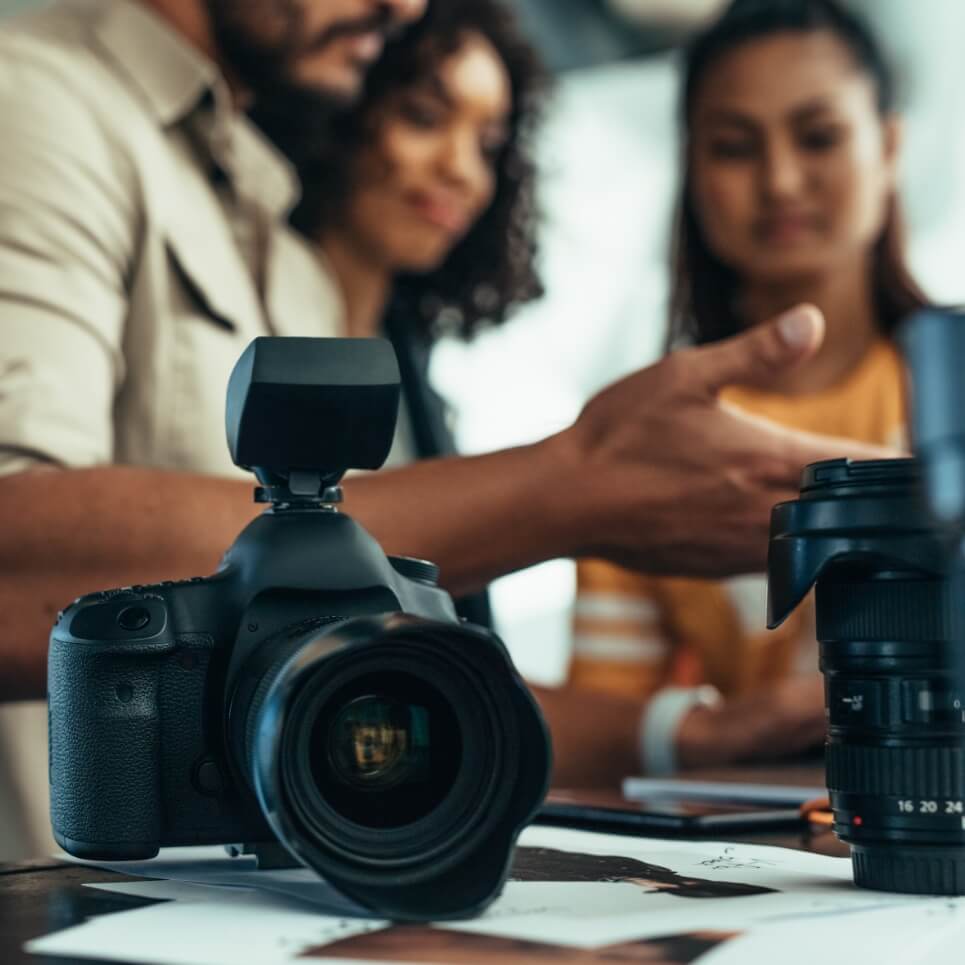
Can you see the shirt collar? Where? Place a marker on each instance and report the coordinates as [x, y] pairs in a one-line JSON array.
[[260, 171], [167, 71], [176, 80]]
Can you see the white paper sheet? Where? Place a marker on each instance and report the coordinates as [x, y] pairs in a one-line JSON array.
[[214, 866], [167, 890], [247, 928], [922, 933], [205, 923], [590, 915]]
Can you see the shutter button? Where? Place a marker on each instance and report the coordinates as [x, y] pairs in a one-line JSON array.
[[134, 618]]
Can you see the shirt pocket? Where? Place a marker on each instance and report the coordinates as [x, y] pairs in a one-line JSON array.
[[215, 315]]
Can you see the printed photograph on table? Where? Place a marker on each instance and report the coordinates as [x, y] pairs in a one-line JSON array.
[[429, 946], [547, 864]]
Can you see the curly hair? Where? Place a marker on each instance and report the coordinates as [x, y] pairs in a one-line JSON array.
[[492, 269]]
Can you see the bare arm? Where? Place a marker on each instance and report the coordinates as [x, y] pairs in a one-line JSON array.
[[596, 740], [68, 532], [655, 473], [597, 737]]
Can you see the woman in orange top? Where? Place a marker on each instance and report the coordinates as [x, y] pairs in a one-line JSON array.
[[789, 196]]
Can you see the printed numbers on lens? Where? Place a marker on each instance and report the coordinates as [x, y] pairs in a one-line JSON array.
[[931, 807]]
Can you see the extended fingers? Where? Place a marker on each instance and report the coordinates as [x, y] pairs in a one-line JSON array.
[[757, 357]]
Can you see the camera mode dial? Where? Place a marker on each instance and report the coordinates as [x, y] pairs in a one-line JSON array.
[[415, 569]]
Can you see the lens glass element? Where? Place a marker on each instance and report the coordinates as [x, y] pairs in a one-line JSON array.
[[385, 750], [377, 743]]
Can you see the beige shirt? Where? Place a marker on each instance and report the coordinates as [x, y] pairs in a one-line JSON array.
[[142, 243], [142, 246]]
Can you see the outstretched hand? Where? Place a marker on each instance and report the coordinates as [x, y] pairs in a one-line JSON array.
[[674, 480]]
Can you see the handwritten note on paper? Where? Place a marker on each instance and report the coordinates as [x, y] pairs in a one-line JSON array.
[[731, 859]]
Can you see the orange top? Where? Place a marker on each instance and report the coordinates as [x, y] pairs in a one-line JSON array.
[[634, 634]]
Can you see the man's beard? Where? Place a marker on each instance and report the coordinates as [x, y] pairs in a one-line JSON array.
[[293, 114]]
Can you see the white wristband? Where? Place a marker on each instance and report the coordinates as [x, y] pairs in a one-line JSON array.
[[661, 720]]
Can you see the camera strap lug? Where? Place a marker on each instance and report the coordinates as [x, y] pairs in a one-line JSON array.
[[270, 855]]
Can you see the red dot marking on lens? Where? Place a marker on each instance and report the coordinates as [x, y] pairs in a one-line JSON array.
[[857, 820]]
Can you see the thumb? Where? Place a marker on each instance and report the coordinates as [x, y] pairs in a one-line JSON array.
[[757, 357]]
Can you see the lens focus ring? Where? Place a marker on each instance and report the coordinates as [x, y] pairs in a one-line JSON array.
[[913, 871], [904, 771]]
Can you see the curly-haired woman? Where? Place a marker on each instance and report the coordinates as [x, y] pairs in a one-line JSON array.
[[421, 196]]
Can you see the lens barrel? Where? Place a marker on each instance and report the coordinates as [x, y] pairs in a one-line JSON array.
[[895, 700], [896, 741], [398, 757]]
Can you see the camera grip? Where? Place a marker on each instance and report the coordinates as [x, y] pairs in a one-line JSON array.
[[104, 752]]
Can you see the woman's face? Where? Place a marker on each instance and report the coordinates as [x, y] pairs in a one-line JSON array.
[[430, 171], [792, 166]]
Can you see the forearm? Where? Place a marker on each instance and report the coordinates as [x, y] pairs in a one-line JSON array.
[[598, 738], [595, 736], [477, 518], [65, 533]]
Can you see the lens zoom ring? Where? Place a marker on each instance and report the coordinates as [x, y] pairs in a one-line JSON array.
[[909, 610], [925, 874], [916, 772]]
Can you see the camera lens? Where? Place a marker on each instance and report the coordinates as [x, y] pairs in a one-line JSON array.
[[896, 730], [375, 743], [398, 757], [381, 759], [895, 703]]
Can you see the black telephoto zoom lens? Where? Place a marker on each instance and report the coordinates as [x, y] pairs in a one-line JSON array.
[[896, 729], [895, 703]]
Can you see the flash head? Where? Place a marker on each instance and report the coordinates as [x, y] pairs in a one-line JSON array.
[[309, 409]]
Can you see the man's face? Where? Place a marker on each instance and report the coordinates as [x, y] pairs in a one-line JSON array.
[[306, 49]]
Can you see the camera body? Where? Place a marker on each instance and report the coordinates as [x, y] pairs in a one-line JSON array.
[[140, 676], [314, 693]]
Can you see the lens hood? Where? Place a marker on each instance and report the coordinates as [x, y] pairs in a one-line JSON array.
[[849, 514], [451, 861]]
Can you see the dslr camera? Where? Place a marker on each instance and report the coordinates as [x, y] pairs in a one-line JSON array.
[[882, 543], [313, 693]]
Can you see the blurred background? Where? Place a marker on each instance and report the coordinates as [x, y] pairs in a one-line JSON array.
[[609, 161]]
